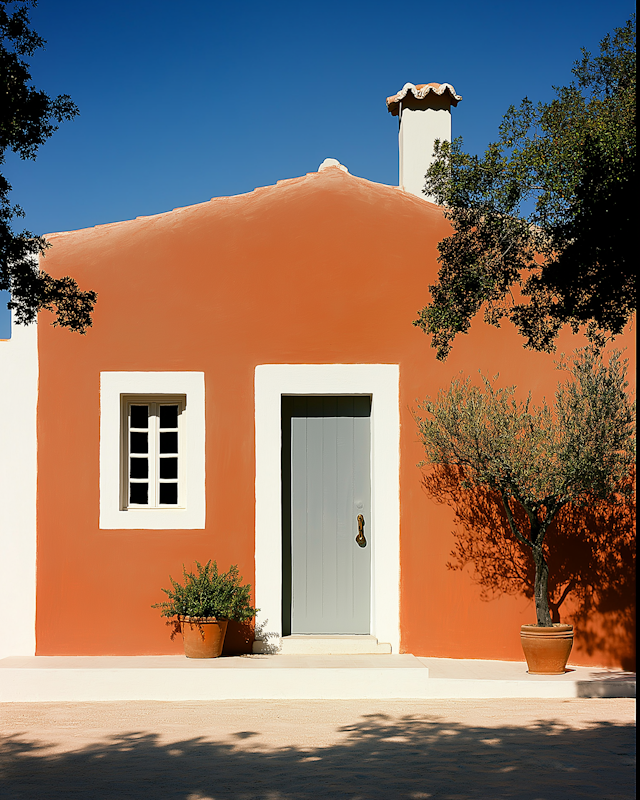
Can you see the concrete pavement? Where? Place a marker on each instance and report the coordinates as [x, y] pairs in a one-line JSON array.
[[529, 749]]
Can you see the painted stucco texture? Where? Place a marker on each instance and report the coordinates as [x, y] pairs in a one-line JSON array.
[[326, 268]]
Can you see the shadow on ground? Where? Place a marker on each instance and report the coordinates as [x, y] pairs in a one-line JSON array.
[[412, 758]]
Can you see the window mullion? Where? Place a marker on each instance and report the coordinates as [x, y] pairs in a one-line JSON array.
[[153, 453]]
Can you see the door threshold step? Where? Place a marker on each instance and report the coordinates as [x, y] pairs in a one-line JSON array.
[[307, 644]]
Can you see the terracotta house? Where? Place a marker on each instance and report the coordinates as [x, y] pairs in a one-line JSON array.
[[245, 395]]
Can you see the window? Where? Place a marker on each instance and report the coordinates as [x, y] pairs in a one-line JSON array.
[[153, 429], [152, 450]]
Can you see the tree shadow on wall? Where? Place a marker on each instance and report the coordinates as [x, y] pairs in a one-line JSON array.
[[408, 758], [591, 554]]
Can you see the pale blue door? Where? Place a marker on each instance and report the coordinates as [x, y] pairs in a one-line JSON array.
[[326, 475]]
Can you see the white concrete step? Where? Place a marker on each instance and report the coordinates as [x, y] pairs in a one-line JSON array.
[[87, 678], [293, 677], [299, 644]]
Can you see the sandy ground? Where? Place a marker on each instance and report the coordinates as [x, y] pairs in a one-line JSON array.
[[297, 750]]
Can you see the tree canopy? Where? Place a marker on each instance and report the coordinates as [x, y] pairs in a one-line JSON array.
[[28, 117], [543, 220], [537, 459]]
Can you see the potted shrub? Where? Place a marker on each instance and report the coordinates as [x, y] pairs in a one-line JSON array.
[[537, 460], [203, 604]]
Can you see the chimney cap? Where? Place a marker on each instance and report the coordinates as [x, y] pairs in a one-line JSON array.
[[420, 91]]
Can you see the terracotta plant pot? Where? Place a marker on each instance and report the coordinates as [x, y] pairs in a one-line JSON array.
[[547, 649], [203, 638]]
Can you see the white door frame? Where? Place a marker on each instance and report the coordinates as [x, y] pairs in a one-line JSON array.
[[381, 382]]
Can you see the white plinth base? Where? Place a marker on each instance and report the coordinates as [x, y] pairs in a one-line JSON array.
[[293, 677]]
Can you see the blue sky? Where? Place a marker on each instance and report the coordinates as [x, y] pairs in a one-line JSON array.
[[181, 103]]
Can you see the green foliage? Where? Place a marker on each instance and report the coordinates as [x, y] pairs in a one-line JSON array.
[[208, 594], [28, 117], [537, 459], [543, 221]]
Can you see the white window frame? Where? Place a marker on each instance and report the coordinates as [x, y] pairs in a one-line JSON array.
[[118, 388], [154, 402]]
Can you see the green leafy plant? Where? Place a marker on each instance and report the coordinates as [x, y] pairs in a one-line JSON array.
[[208, 594], [537, 460]]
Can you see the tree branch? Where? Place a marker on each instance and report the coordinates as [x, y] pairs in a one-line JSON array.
[[512, 522]]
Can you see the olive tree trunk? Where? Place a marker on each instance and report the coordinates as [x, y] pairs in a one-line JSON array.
[[534, 542], [541, 588]]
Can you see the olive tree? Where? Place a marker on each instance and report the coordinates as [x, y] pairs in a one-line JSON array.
[[537, 458]]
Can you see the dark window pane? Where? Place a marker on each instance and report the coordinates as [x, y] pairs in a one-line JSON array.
[[139, 416], [139, 468], [168, 416], [139, 443], [168, 467], [168, 442], [169, 493], [139, 493]]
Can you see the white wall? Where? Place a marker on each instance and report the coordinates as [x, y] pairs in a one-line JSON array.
[[18, 480]]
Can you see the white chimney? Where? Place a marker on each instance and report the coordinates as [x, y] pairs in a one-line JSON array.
[[424, 112]]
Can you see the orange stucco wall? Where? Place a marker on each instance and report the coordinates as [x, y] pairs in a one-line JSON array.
[[321, 269]]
